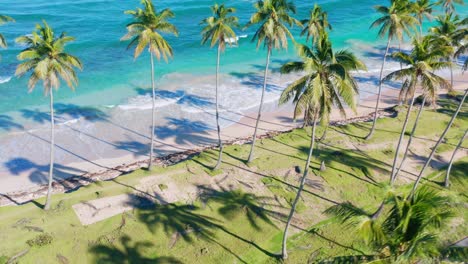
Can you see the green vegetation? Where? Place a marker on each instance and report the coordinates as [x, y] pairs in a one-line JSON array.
[[239, 223]]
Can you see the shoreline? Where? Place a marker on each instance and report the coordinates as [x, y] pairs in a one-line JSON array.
[[273, 123]]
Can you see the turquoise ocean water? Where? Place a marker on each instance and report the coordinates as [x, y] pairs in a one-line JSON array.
[[111, 76]]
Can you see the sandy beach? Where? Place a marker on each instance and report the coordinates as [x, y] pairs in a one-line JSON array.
[[99, 142]]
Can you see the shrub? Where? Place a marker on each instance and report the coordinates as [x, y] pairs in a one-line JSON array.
[[40, 240]]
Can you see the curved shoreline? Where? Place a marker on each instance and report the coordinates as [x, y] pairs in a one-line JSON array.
[[273, 123]]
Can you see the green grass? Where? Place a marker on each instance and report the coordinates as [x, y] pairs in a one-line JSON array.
[[239, 225]]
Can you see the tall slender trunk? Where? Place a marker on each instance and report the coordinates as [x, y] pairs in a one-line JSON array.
[[402, 164], [153, 110], [451, 73], [402, 136], [220, 142], [415, 186], [284, 252], [52, 150], [251, 155], [447, 177], [371, 133]]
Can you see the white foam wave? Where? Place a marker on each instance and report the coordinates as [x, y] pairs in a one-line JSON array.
[[5, 79], [144, 103]]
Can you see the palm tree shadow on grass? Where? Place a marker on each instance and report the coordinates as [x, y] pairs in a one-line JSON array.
[[236, 202], [184, 221], [130, 252]]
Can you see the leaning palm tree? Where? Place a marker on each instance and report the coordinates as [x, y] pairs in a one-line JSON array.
[[422, 9], [274, 17], [219, 30], [441, 138], [46, 59], [327, 83], [4, 19], [423, 60], [430, 51], [315, 24], [396, 20], [411, 231], [449, 5], [449, 169], [145, 31], [450, 29]]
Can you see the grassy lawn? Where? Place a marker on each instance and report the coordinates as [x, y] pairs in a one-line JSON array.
[[238, 223]]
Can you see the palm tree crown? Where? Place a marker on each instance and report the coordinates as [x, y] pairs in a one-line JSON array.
[[45, 57], [422, 9], [315, 24], [424, 59], [327, 82], [146, 30], [449, 5], [4, 19], [219, 27], [396, 20], [273, 16], [408, 232]]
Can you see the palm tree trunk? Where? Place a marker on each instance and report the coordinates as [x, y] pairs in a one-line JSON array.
[[380, 92], [402, 136], [220, 142], [451, 74], [52, 150], [251, 155], [402, 164], [284, 252], [415, 186], [153, 110], [447, 180]]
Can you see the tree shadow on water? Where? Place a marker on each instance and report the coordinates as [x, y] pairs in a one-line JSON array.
[[129, 253], [7, 123], [185, 131]]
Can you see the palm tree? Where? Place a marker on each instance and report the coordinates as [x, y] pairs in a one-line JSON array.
[[218, 30], [423, 60], [396, 20], [4, 19], [145, 31], [273, 16], [428, 161], [315, 24], [327, 83], [421, 9], [409, 233], [447, 176], [449, 5], [46, 59], [449, 28]]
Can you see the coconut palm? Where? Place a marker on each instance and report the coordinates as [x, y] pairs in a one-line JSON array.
[[447, 176], [219, 30], [431, 156], [315, 24], [4, 19], [145, 31], [273, 18], [422, 9], [47, 61], [450, 29], [423, 60], [449, 5], [410, 232], [462, 50], [327, 83], [396, 20]]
